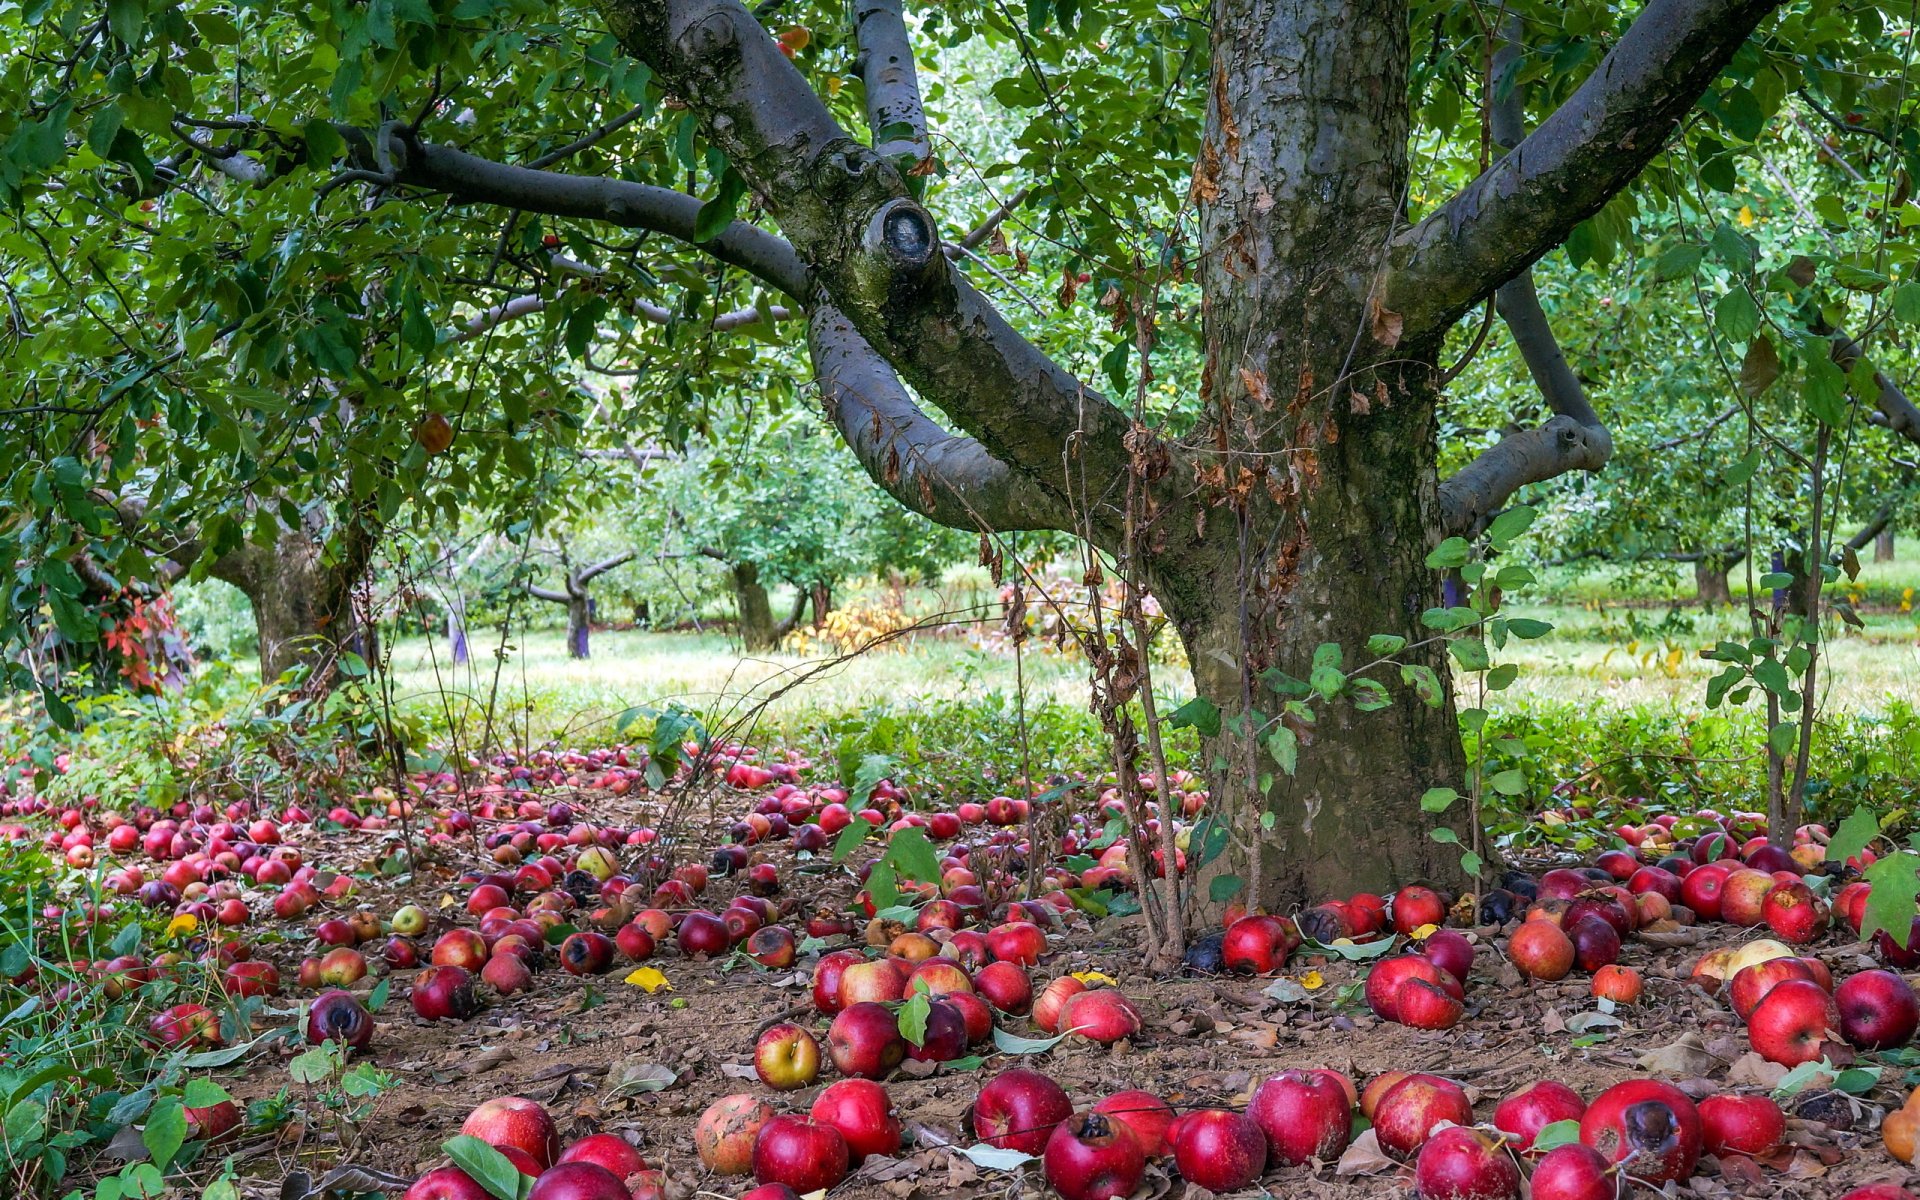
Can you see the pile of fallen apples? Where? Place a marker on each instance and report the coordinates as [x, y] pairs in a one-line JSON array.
[[588, 897]]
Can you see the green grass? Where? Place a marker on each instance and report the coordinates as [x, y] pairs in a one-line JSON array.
[[543, 694], [1883, 584], [1597, 655]]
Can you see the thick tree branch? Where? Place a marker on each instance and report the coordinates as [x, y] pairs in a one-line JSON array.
[[631, 205], [1894, 411], [1574, 439], [885, 65], [946, 478], [541, 593], [526, 306], [588, 574], [1582, 155], [874, 249]]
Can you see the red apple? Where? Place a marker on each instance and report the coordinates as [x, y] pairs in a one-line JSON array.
[[702, 935], [1451, 950], [1878, 1010], [1101, 1015], [443, 994], [339, 1017], [1406, 1114], [517, 1122], [1091, 1156], [1218, 1150], [607, 1150], [863, 1113], [1416, 906], [1751, 1125], [1053, 1001], [1525, 1113], [1255, 945], [1541, 950], [1005, 986], [805, 1154], [463, 948], [1303, 1114], [864, 1041], [1795, 913], [1017, 942], [879, 981], [827, 974], [1793, 1022], [578, 1181], [1465, 1164], [725, 1135], [446, 1183], [1574, 1172], [1650, 1128], [1146, 1114], [1018, 1109], [1750, 984]]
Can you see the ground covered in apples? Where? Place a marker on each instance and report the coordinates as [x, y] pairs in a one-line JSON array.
[[604, 1054]]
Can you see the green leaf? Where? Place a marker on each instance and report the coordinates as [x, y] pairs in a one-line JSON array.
[[377, 999], [1438, 799], [1508, 783], [1470, 863], [127, 18], [1424, 682], [165, 1132], [1510, 525], [913, 1018], [1678, 262], [1528, 628], [1198, 713], [718, 213], [1445, 836], [1855, 834], [1736, 316], [851, 836], [1453, 552], [203, 1093], [1223, 888], [1470, 653], [1824, 390], [1894, 898], [1008, 1043], [1383, 645], [1284, 746], [1859, 279], [913, 855], [491, 1169]]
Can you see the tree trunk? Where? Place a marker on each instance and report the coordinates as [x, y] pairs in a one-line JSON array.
[[579, 624], [1711, 589], [301, 602], [457, 628], [823, 602], [1325, 505], [1883, 546], [757, 633]]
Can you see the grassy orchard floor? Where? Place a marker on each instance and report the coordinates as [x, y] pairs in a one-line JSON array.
[[570, 1042], [1594, 655]]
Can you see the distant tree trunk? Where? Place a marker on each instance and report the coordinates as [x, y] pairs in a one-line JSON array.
[[822, 602], [578, 599], [756, 611], [1883, 546], [1710, 582], [579, 625], [457, 628]]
